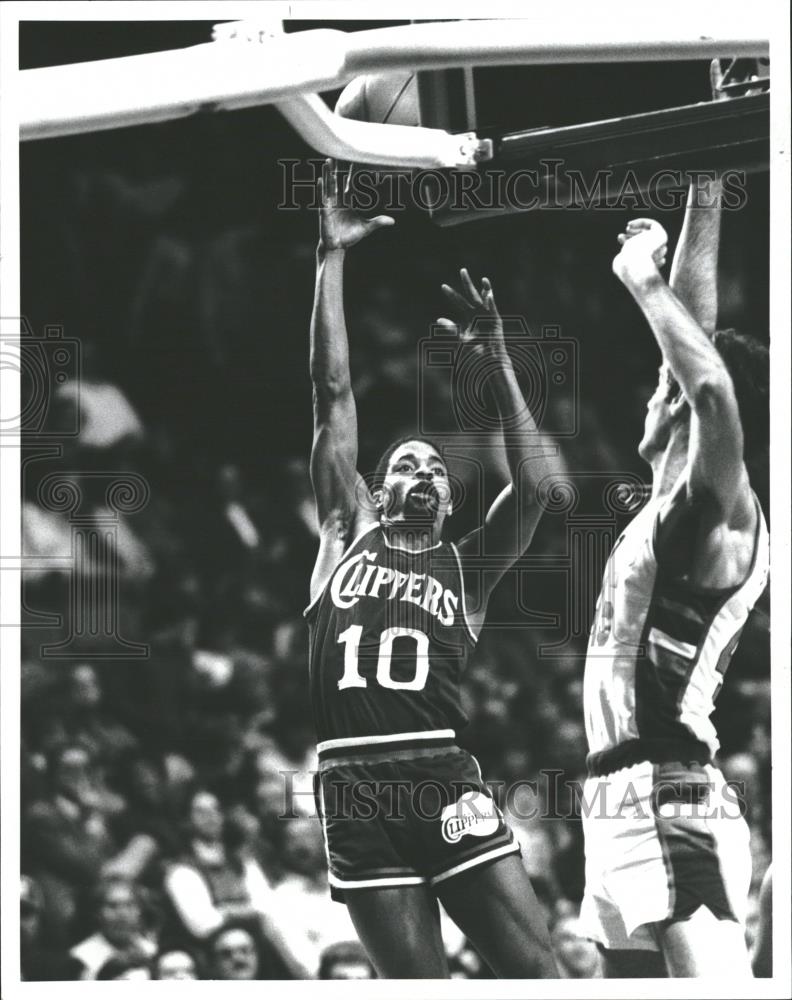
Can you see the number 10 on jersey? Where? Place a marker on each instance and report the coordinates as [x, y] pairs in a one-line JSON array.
[[351, 678]]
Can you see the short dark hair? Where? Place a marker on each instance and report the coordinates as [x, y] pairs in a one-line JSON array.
[[382, 466], [342, 951], [248, 925], [747, 361]]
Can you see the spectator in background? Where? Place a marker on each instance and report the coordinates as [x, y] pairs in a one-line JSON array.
[[39, 963], [234, 954], [175, 964], [150, 811], [69, 841], [120, 933], [346, 960], [124, 968], [213, 883], [311, 920], [208, 884], [87, 722]]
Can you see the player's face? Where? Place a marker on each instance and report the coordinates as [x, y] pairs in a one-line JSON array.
[[657, 426], [416, 486]]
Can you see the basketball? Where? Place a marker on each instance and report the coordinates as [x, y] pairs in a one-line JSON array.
[[387, 98]]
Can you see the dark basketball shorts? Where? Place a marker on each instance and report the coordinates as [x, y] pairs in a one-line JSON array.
[[406, 809]]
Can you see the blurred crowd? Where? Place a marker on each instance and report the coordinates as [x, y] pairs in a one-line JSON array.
[[168, 821]]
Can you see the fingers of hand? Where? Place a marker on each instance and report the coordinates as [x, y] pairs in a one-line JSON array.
[[463, 307], [448, 325], [469, 287], [329, 184], [488, 295], [646, 233], [726, 76], [716, 73]]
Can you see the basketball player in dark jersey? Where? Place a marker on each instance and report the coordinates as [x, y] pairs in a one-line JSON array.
[[395, 613], [668, 863]]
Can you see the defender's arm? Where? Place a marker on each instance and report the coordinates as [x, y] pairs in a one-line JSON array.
[[694, 270], [715, 453]]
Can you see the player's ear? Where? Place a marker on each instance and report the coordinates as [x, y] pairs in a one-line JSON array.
[[677, 404]]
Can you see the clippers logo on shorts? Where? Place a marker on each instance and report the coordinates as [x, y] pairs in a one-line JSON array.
[[475, 814]]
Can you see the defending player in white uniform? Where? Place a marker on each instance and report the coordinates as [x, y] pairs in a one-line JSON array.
[[667, 851]]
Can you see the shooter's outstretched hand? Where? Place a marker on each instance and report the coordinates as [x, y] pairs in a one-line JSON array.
[[341, 227], [478, 320]]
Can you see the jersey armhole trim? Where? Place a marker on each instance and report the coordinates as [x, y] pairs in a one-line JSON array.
[[341, 558], [760, 540], [473, 637]]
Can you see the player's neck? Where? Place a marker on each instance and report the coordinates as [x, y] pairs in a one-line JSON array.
[[410, 536], [668, 465]]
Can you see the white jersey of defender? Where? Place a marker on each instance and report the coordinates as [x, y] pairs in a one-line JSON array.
[[659, 647]]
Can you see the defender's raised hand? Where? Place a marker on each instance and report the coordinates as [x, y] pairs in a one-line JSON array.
[[478, 320], [341, 227], [644, 246]]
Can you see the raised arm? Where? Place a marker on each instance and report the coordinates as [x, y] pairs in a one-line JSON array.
[[335, 442], [511, 520], [715, 469], [694, 269]]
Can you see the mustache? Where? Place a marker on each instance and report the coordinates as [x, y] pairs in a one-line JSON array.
[[424, 488]]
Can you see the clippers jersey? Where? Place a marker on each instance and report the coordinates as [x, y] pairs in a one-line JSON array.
[[389, 641], [659, 647]]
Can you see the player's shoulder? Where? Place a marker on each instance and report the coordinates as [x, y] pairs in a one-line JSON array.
[[365, 526], [335, 547], [698, 542]]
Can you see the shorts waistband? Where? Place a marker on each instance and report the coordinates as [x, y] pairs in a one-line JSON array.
[[638, 751], [368, 746]]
